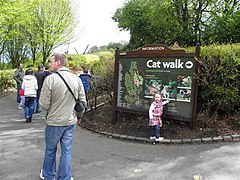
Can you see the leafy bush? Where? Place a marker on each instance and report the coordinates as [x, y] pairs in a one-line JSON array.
[[5, 66], [219, 89], [101, 66], [103, 55], [80, 61], [7, 83], [104, 71]]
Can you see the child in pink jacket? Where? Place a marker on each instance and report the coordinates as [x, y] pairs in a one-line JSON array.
[[155, 113]]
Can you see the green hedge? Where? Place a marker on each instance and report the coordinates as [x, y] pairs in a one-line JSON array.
[[219, 86], [104, 69], [101, 64], [80, 61], [7, 83]]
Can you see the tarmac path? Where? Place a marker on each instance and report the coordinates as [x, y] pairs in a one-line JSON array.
[[96, 157]]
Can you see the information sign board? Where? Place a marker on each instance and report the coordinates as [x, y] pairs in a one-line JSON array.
[[140, 74]]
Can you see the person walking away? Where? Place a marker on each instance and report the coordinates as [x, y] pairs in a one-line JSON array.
[[22, 102], [61, 117], [86, 80], [18, 77], [30, 87], [40, 78], [155, 113], [46, 72]]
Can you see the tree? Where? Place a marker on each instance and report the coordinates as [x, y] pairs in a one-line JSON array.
[[134, 17], [29, 27], [121, 45], [13, 18], [185, 21], [110, 47], [224, 23], [165, 26], [32, 32], [2, 22], [55, 23]]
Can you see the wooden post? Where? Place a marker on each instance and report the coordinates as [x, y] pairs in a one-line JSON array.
[[115, 87], [194, 116]]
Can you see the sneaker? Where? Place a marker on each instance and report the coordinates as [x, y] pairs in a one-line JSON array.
[[41, 175], [159, 139], [152, 137]]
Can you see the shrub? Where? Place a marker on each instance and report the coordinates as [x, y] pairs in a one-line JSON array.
[[104, 70], [79, 61], [101, 66], [219, 89], [7, 83]]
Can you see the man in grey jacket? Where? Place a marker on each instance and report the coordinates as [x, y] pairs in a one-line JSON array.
[[61, 117], [18, 77]]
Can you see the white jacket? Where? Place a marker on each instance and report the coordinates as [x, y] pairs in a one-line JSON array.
[[30, 86]]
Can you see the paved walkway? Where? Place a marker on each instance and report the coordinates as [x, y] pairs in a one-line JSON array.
[[97, 157]]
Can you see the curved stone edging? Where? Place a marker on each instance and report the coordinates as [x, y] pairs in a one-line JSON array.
[[225, 138]]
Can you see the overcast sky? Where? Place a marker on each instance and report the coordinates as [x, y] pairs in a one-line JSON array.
[[95, 25]]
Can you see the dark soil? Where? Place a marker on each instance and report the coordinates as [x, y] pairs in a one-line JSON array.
[[137, 125]]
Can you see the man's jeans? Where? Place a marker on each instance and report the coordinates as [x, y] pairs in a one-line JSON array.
[[29, 107], [37, 108], [156, 131], [19, 86], [54, 135]]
